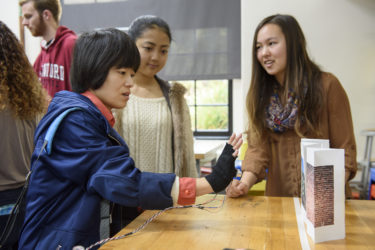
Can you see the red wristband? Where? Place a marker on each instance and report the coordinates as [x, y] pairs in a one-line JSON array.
[[187, 192]]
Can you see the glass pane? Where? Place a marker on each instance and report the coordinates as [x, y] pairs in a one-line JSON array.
[[212, 118], [212, 92], [189, 95]]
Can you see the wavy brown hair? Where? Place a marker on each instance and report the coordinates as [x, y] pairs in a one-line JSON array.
[[20, 89], [301, 74]]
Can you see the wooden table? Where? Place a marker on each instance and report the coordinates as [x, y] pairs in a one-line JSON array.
[[251, 222]]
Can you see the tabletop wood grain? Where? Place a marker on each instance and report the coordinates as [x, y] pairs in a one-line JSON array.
[[251, 222]]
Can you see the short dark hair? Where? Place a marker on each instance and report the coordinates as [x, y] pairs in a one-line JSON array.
[[143, 23], [40, 5], [96, 52]]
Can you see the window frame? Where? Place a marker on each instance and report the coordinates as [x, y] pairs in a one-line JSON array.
[[207, 134]]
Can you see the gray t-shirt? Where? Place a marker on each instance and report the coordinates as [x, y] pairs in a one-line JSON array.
[[16, 147]]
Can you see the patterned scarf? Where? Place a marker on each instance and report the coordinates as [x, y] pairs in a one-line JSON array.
[[279, 118]]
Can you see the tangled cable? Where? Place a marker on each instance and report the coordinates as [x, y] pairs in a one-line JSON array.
[[200, 206]]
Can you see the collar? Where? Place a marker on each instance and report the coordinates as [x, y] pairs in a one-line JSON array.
[[46, 44], [102, 108]]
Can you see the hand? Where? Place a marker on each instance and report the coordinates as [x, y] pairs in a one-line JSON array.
[[224, 171], [236, 142], [237, 188]]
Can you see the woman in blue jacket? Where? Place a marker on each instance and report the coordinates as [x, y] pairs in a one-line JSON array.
[[86, 160]]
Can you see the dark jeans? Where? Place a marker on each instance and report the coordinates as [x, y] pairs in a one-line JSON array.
[[10, 197]]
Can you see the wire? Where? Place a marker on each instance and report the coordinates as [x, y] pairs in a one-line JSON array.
[[199, 206]]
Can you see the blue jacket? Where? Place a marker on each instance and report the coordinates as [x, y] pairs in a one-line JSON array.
[[89, 162]]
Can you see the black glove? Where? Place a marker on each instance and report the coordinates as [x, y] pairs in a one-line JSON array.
[[223, 171]]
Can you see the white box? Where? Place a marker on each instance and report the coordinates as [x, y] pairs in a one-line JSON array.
[[325, 193]]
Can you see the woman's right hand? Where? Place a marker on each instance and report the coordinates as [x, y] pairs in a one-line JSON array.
[[231, 190], [238, 188]]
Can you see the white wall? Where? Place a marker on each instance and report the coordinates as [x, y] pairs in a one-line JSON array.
[[340, 36], [9, 14]]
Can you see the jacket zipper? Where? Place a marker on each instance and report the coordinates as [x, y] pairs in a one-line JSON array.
[[113, 138]]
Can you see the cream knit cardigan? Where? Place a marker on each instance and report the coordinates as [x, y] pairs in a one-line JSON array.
[[183, 142], [147, 129]]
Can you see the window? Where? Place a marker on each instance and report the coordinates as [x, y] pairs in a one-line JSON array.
[[210, 103], [206, 46]]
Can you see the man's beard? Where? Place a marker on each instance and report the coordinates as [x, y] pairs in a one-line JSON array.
[[40, 29]]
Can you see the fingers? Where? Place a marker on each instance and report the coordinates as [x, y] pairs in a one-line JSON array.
[[235, 154], [228, 190], [233, 190], [231, 139], [236, 145], [236, 142], [234, 183], [243, 188], [237, 188]]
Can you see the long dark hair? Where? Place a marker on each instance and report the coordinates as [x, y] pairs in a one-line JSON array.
[[301, 74]]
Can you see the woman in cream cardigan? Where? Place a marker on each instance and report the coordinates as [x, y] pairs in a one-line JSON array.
[[156, 121]]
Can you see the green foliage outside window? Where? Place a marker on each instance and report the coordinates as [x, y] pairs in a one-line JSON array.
[[208, 104]]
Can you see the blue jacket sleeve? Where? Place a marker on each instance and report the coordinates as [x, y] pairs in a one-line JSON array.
[[84, 153]]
